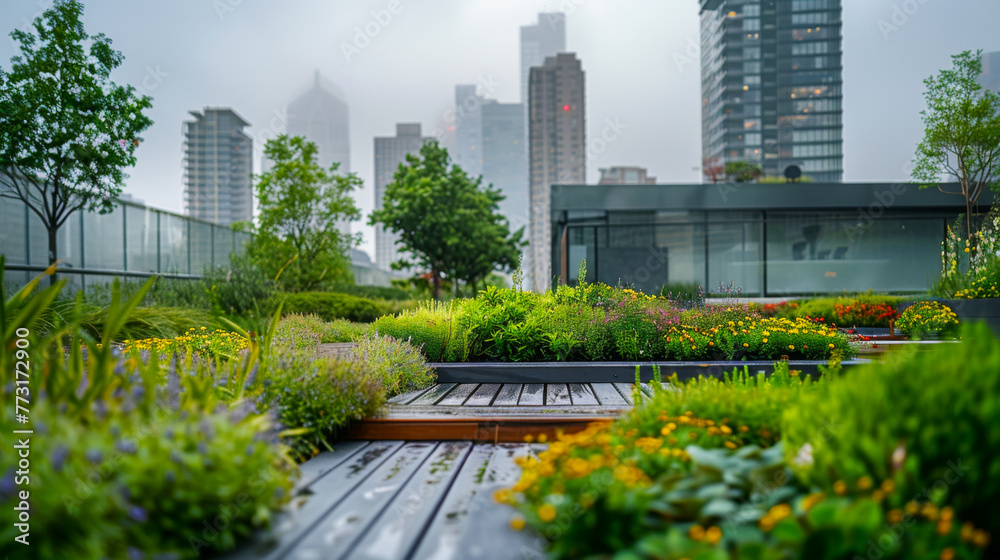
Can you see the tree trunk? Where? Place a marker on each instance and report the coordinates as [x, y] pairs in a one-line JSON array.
[[52, 252], [436, 281]]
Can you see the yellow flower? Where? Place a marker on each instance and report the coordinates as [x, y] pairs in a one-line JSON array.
[[791, 347], [948, 553], [517, 523], [764, 341], [745, 345], [840, 487], [547, 513], [713, 535], [203, 328], [864, 483], [696, 532], [502, 496]]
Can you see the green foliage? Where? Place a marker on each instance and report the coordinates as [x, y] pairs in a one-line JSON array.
[[67, 131], [330, 306], [447, 222], [857, 310], [683, 292], [597, 322], [927, 318], [961, 133], [299, 331], [924, 419], [296, 239], [743, 172], [399, 366], [144, 322], [133, 456], [393, 293], [317, 399], [429, 327], [342, 330], [971, 266], [241, 289]]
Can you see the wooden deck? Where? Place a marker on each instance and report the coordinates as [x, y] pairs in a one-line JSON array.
[[496, 412], [387, 500]]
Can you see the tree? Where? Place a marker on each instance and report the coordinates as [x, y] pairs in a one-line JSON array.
[[961, 133], [296, 237], [743, 171], [66, 130], [447, 221], [713, 169]]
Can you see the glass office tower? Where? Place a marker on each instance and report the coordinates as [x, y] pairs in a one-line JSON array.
[[772, 85]]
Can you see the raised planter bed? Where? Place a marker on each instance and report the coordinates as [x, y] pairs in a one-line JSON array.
[[603, 372], [987, 310]]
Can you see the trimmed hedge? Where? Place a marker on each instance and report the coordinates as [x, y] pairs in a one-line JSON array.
[[330, 306]]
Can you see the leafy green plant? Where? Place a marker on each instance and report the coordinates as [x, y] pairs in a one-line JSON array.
[[342, 330], [922, 419], [429, 327], [318, 399], [398, 365], [927, 318]]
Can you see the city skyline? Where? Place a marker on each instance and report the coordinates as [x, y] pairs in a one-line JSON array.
[[393, 78]]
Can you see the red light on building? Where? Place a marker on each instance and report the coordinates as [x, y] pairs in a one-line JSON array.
[[565, 107]]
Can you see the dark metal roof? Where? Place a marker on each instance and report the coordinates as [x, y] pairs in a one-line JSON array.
[[756, 196]]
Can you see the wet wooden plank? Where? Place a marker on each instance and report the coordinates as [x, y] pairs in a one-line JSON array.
[[337, 532], [582, 394], [440, 540], [508, 395], [320, 498], [409, 397], [399, 528], [607, 395], [313, 469], [434, 394], [488, 535], [557, 394], [625, 390], [532, 395], [483, 395], [458, 395]]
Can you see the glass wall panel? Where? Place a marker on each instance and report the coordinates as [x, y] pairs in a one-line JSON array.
[[223, 244], [13, 242], [735, 256], [104, 239], [201, 246], [173, 244], [812, 254], [142, 238], [38, 241]]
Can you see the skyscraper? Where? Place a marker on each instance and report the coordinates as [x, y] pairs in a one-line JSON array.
[[505, 158], [321, 117], [557, 139], [540, 41], [990, 78], [772, 85], [218, 164], [389, 153], [468, 130]]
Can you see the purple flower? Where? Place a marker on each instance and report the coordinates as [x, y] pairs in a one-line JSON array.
[[7, 486], [59, 456], [127, 446], [94, 456], [135, 554], [138, 514], [169, 477]]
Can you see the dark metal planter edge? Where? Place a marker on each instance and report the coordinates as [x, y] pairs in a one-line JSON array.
[[603, 372]]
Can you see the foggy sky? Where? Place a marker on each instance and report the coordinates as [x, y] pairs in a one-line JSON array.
[[640, 59]]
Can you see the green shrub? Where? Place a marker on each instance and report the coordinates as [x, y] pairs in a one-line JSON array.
[[342, 330], [393, 293], [927, 318], [145, 322], [919, 419], [428, 327], [329, 306], [317, 399], [683, 292], [239, 289], [299, 331], [398, 365]]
